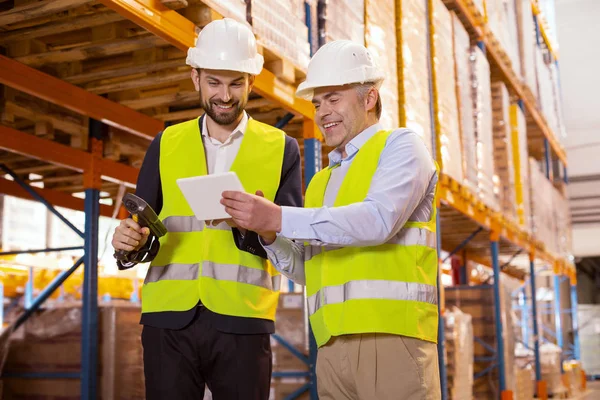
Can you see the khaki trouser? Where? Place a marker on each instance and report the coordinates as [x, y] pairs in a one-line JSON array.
[[378, 367]]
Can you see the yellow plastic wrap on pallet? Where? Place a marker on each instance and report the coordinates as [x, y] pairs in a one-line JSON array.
[[381, 41], [521, 166], [444, 92]]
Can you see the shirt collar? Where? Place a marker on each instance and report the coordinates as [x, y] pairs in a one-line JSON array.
[[239, 129], [335, 156]]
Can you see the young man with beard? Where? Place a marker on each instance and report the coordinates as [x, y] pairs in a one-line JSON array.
[[209, 297], [365, 243]]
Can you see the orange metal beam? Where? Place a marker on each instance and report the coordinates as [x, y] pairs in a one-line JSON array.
[[55, 197], [54, 153], [57, 91], [42, 149], [181, 33]]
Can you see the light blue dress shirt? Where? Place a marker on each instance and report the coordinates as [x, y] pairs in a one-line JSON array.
[[402, 189]]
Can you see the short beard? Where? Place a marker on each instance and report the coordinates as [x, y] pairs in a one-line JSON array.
[[223, 119]]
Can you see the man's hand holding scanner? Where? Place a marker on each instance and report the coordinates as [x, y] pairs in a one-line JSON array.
[[254, 213], [130, 236]]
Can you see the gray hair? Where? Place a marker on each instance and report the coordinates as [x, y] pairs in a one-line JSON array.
[[363, 89]]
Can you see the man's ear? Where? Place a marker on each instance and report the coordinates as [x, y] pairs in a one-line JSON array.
[[251, 79], [196, 79], [371, 99]]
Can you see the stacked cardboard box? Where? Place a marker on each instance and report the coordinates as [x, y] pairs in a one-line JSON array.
[[478, 301], [235, 9], [458, 335], [572, 371], [462, 48], [522, 176], [527, 43], [290, 324], [524, 383], [381, 41], [444, 93], [562, 216], [51, 342], [482, 103], [550, 355], [342, 19], [544, 223], [503, 149], [280, 27]]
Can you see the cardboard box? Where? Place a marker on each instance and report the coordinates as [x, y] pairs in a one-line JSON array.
[[51, 342], [478, 301]]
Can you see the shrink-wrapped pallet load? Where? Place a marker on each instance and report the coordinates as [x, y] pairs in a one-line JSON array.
[[482, 103], [503, 150], [381, 41], [478, 301], [341, 19], [413, 68], [462, 48], [458, 335], [279, 26], [445, 96], [544, 224], [527, 44]]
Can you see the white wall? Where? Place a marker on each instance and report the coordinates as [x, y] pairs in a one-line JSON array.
[[579, 63]]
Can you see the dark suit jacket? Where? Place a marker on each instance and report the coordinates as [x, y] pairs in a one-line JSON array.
[[288, 194]]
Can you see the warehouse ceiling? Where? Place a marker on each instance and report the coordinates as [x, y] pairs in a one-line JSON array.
[[579, 62]]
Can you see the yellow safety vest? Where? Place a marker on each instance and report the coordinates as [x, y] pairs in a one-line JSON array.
[[389, 288], [198, 262]]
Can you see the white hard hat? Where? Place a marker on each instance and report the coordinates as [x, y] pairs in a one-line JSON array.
[[226, 44], [337, 63]]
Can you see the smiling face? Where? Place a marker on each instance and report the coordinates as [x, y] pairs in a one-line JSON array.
[[342, 112], [223, 94]]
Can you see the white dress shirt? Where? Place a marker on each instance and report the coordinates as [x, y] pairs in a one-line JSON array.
[[220, 156], [402, 189]]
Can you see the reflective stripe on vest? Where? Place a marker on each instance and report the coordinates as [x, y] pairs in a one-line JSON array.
[[388, 288], [202, 263], [183, 224], [406, 237], [223, 272], [372, 289]]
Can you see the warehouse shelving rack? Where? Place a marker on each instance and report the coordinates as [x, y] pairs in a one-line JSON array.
[[465, 224]]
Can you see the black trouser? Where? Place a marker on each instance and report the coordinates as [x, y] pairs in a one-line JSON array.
[[178, 363]]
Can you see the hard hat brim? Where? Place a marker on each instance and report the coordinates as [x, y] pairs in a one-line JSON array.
[[306, 90], [251, 66]]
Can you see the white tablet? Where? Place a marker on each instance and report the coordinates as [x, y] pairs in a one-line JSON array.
[[204, 193]]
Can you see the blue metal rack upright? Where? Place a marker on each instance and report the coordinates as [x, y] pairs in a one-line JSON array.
[[89, 323]]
